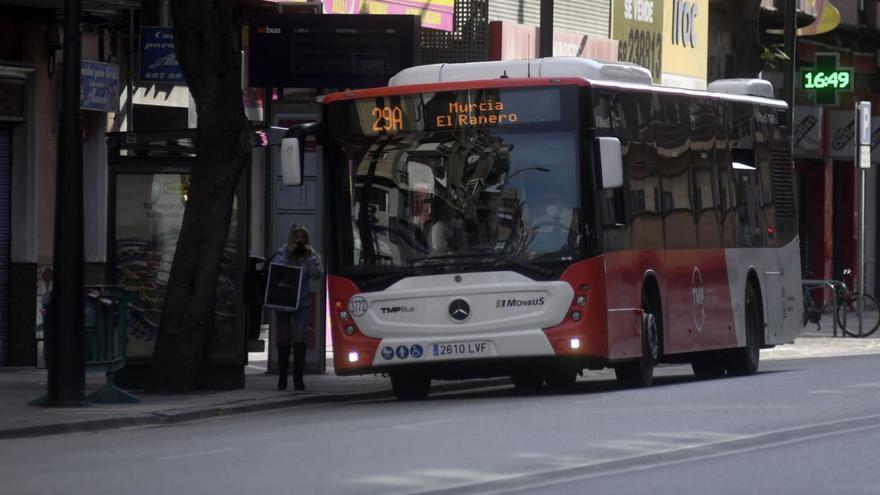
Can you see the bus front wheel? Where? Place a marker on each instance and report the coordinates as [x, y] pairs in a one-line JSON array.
[[640, 372], [410, 386]]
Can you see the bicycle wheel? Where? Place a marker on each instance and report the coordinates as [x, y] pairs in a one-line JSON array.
[[848, 315]]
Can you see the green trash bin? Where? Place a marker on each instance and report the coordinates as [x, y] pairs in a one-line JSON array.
[[106, 339]]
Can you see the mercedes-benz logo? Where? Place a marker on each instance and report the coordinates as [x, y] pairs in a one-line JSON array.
[[459, 310]]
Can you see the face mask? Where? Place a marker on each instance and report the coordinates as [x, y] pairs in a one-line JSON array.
[[300, 249]]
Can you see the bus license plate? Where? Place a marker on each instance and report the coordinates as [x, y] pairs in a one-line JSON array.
[[461, 348]]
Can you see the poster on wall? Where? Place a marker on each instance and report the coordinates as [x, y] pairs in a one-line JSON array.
[[148, 216], [98, 86]]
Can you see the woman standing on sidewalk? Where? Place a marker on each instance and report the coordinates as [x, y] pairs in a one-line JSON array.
[[290, 326]]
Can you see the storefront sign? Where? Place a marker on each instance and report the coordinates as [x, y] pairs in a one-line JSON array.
[[685, 43], [158, 60], [668, 37], [98, 86], [638, 25], [842, 136]]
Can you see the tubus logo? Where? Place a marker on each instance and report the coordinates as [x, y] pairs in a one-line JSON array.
[[268, 30], [699, 297], [397, 309]]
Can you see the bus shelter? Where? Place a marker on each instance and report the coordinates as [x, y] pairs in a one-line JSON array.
[[148, 188]]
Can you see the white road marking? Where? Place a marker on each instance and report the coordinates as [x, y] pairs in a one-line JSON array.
[[865, 385], [597, 399], [195, 454], [413, 426]]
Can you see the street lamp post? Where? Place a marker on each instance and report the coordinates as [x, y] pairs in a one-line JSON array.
[[66, 366], [789, 34]]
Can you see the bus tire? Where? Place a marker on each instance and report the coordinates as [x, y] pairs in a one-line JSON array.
[[527, 383], [708, 366], [745, 360], [640, 372], [561, 379], [410, 386]]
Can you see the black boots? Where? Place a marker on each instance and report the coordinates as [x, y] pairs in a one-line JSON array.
[[299, 363], [283, 363]]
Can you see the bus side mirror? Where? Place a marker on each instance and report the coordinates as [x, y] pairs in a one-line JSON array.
[[291, 161], [610, 162]]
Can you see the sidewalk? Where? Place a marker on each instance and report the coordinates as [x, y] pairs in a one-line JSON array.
[[18, 386]]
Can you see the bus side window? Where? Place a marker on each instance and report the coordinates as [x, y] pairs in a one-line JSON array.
[[748, 197]]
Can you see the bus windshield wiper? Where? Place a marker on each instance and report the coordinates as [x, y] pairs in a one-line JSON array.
[[462, 258], [485, 259], [525, 266]]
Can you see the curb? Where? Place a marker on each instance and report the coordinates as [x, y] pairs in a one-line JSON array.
[[171, 417]]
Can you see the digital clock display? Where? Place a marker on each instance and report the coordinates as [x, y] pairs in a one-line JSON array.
[[817, 79]]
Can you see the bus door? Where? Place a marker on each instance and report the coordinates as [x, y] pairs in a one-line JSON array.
[[710, 292], [754, 232]]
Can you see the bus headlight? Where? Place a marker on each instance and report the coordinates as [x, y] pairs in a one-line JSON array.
[[575, 343], [353, 357]]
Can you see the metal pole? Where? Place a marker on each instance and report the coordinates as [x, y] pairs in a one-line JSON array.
[[861, 300], [165, 13], [66, 373], [546, 39], [789, 65], [863, 162], [129, 104]]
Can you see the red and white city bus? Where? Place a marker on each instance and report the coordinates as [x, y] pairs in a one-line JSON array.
[[533, 219]]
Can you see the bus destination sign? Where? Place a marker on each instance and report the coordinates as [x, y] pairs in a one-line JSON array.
[[486, 113], [447, 111]]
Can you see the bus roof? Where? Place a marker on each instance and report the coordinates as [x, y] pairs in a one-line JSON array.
[[552, 71], [542, 67]]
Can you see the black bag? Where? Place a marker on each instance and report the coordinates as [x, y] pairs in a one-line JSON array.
[[282, 287]]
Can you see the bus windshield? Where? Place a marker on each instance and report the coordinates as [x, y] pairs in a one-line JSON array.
[[502, 195]]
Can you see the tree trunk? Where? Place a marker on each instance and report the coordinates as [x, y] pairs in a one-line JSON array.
[[205, 40]]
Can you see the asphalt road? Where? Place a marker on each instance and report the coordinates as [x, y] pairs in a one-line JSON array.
[[800, 426]]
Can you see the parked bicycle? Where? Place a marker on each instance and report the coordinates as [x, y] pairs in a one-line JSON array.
[[847, 313]]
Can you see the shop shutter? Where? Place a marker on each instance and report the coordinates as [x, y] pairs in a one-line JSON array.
[[590, 17]]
